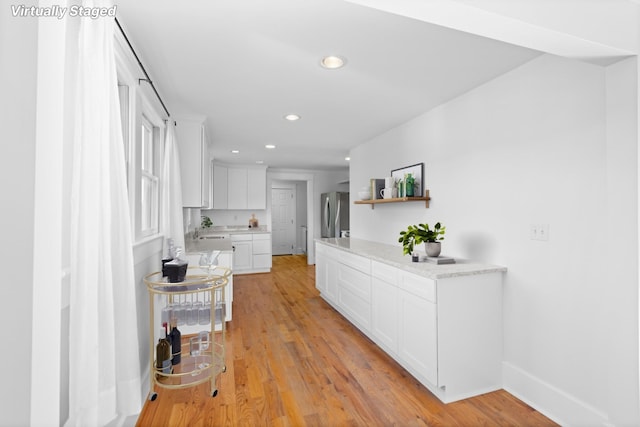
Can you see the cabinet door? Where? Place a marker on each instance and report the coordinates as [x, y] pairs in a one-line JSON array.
[[205, 171], [242, 255], [257, 188], [321, 272], [354, 295], [189, 135], [327, 277], [237, 188], [417, 340], [384, 315], [219, 187]]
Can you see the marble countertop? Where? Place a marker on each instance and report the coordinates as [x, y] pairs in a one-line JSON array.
[[206, 245], [233, 229], [392, 255]]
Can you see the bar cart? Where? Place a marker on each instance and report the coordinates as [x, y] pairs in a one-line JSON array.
[[202, 346]]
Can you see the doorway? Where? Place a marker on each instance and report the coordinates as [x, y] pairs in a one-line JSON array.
[[283, 220]]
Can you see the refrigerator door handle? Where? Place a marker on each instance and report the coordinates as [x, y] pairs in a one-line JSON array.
[[336, 228], [326, 213]]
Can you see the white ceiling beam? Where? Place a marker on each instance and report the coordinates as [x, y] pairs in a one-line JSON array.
[[598, 31]]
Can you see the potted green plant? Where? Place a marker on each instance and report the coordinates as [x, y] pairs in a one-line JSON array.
[[206, 222], [416, 234]]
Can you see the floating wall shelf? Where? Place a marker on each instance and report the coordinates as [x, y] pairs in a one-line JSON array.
[[374, 202]]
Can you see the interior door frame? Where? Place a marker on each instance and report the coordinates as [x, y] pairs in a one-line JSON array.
[[297, 176], [291, 187]]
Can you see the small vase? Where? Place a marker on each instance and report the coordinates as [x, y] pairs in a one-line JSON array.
[[432, 248]]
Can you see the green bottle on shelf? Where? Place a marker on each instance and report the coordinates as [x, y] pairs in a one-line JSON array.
[[409, 181]]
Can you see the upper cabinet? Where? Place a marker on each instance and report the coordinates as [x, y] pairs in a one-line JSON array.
[[239, 187], [194, 162]]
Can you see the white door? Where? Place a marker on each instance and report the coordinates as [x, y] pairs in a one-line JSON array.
[[283, 227]]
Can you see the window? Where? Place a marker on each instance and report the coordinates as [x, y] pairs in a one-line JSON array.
[[149, 200]]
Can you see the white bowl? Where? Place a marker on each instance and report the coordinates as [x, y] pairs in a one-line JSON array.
[[364, 195]]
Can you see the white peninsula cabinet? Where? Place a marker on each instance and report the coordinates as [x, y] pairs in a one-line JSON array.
[[443, 323]]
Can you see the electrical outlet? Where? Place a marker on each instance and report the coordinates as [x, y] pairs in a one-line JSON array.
[[533, 232], [539, 232], [543, 232]]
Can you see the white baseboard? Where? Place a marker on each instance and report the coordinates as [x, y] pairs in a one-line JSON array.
[[556, 404]]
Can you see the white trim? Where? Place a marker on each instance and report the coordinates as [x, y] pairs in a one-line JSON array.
[[560, 406], [298, 176], [47, 242]]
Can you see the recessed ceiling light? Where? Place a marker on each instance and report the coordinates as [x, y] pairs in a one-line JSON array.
[[347, 158], [235, 151], [270, 146], [292, 117], [332, 62], [259, 162]]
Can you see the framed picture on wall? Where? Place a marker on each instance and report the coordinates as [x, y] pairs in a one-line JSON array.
[[417, 172]]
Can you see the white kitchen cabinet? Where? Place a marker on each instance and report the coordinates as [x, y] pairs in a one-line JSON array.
[[220, 186], [237, 184], [326, 273], [194, 162], [354, 295], [262, 252], [252, 252], [242, 252], [239, 187], [445, 330], [417, 327], [385, 305], [257, 188]]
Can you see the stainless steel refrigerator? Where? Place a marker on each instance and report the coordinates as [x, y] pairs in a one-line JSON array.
[[335, 213]]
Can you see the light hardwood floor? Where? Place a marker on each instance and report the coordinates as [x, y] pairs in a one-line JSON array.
[[294, 361]]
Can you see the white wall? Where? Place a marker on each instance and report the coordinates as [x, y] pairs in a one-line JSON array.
[[530, 147], [18, 110]]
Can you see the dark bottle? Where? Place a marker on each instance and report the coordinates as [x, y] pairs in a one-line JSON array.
[[175, 337], [163, 353]]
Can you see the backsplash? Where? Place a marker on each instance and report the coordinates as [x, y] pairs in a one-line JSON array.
[[192, 217]]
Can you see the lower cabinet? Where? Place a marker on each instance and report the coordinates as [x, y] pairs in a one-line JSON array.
[[418, 335], [354, 295], [251, 252], [242, 252], [447, 332], [326, 274], [261, 252]]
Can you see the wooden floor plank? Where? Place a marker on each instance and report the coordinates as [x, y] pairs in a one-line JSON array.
[[294, 361]]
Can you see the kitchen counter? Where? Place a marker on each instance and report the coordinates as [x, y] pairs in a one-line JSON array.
[[206, 245], [233, 229], [392, 255]]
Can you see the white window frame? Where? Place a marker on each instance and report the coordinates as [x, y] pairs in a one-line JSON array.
[[140, 110], [148, 166]]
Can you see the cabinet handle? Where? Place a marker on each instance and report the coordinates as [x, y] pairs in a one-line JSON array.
[[234, 248]]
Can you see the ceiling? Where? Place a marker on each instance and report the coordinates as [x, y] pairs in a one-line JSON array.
[[244, 64]]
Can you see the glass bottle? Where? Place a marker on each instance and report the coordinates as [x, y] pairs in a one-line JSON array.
[[409, 181], [163, 353], [176, 343]]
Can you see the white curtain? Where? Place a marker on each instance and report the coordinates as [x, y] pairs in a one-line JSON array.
[[104, 379], [171, 214]]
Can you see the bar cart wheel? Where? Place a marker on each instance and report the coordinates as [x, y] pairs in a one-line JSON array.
[[215, 393], [153, 396]]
